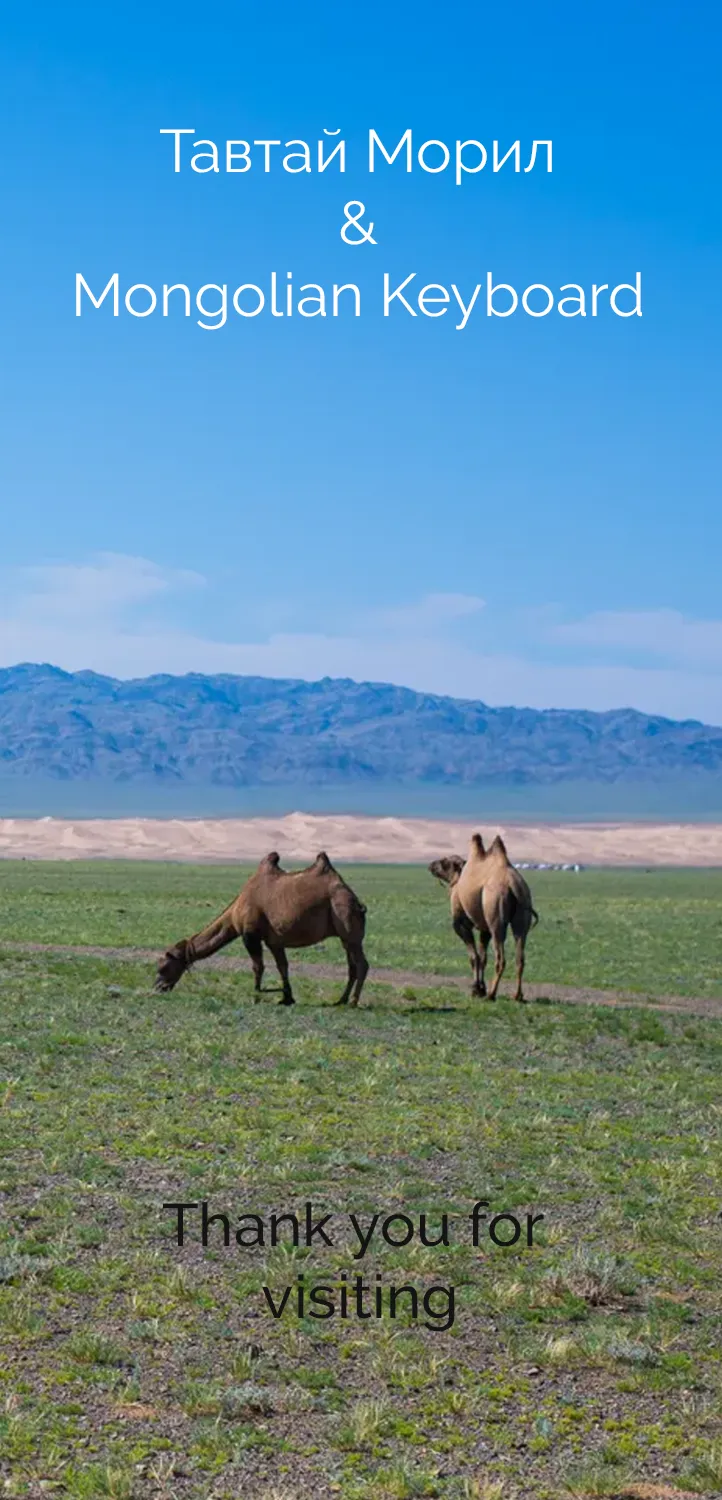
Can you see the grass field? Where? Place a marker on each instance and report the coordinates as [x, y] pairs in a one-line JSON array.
[[657, 933], [584, 1365]]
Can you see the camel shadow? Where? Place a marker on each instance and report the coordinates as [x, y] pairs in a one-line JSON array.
[[406, 1010], [430, 1010]]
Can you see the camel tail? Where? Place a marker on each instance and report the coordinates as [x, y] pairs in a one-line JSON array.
[[526, 906]]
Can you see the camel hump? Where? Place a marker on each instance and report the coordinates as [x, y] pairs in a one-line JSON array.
[[322, 863], [270, 862], [477, 844], [499, 847]]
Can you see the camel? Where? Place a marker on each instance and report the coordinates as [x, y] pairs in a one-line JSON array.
[[283, 910], [489, 894], [447, 870]]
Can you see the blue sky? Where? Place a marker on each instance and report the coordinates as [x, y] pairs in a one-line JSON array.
[[525, 511]]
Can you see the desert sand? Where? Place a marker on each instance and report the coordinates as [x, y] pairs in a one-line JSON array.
[[299, 836]]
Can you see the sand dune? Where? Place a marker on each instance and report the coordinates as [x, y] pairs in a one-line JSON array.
[[299, 836]]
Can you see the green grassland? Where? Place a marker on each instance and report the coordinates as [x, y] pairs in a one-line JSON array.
[[132, 1367], [654, 932]]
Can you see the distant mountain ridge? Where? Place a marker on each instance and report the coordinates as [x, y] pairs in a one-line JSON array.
[[255, 731]]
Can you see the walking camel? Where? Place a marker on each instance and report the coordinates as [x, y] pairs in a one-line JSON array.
[[283, 910], [487, 894]]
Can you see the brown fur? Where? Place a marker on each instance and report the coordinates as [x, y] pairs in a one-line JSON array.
[[489, 895], [447, 870], [283, 911]]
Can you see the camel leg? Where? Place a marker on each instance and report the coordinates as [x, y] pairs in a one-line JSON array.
[[484, 941], [497, 939], [281, 962], [520, 924], [352, 970], [254, 949], [519, 967], [349, 926], [358, 968], [463, 929], [362, 968]]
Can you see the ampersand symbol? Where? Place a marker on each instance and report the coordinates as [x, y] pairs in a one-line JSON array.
[[354, 211]]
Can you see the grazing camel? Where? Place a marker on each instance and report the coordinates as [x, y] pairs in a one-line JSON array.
[[489, 894], [283, 911]]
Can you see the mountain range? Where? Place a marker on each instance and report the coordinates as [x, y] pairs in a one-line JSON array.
[[252, 731]]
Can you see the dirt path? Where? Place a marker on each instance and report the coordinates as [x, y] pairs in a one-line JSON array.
[[401, 979]]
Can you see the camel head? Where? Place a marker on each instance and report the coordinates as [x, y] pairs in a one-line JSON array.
[[171, 968], [447, 869]]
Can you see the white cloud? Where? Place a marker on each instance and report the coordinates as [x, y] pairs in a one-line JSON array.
[[662, 633], [104, 587], [110, 615], [428, 615]]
